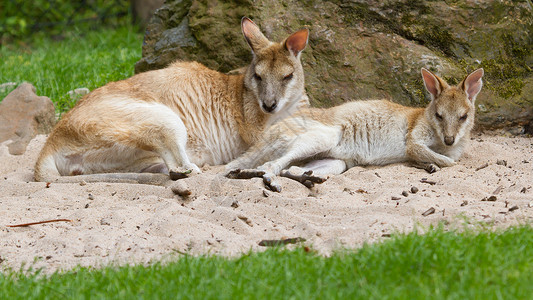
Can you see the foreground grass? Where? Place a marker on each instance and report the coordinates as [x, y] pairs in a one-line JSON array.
[[82, 59], [434, 265]]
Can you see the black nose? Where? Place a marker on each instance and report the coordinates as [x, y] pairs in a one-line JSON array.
[[448, 140], [269, 108]]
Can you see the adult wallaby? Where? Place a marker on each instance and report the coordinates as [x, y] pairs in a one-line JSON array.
[[375, 132], [174, 119]]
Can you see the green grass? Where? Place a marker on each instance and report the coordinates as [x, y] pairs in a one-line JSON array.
[[82, 59], [437, 265]]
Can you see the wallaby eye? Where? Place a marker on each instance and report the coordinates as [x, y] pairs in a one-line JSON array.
[[463, 117], [257, 77], [288, 77], [439, 117]]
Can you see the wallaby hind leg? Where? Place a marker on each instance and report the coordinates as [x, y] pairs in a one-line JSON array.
[[155, 127], [327, 166], [173, 148], [309, 144]]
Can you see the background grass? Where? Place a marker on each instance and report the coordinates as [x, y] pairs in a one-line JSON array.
[[82, 59], [436, 265]]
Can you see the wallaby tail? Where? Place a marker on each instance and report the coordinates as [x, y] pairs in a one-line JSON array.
[[138, 178], [46, 171]]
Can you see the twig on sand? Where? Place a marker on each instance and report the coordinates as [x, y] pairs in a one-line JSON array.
[[428, 212], [273, 243], [40, 222], [482, 167], [425, 180]]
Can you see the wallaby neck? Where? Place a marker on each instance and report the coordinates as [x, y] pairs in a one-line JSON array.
[[251, 120]]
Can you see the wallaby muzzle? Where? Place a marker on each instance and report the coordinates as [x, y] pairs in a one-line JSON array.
[[449, 140], [271, 108]]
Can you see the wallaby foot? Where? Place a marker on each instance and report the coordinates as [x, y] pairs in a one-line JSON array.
[[270, 183], [268, 178], [428, 167], [183, 172], [306, 178], [431, 168], [245, 174]]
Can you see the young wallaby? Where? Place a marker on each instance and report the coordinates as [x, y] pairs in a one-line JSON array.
[[172, 120], [374, 132]]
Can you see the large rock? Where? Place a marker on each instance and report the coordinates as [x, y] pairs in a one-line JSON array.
[[367, 49], [142, 10], [23, 115]]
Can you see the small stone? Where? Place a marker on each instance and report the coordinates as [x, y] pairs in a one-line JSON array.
[[235, 204], [395, 198], [513, 208], [91, 197], [5, 86], [82, 183], [77, 93], [530, 204], [266, 193], [245, 220], [105, 221], [405, 193], [464, 203], [414, 190], [501, 162], [23, 115], [87, 205], [180, 188], [491, 198]]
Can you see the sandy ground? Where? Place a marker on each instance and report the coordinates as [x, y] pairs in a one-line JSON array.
[[128, 223]]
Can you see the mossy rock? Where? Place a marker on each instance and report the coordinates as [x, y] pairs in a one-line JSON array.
[[367, 49]]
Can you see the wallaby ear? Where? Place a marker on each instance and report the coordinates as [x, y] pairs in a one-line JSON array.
[[472, 84], [297, 41], [253, 34], [432, 82]]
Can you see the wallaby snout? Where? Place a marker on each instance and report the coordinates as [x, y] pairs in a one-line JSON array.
[[269, 108], [449, 140]]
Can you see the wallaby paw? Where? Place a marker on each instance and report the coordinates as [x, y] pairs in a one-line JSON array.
[[270, 183], [193, 167], [179, 173], [306, 178], [446, 162], [244, 173], [431, 168]]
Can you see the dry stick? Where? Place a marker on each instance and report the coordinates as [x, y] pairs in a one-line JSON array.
[[428, 212], [41, 222], [425, 180], [482, 167], [273, 243]]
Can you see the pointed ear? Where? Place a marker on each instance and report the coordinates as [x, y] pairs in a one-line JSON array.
[[472, 84], [253, 34], [433, 83], [297, 41]]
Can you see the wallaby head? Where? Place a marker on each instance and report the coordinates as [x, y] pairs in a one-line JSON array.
[[275, 76], [451, 111]]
